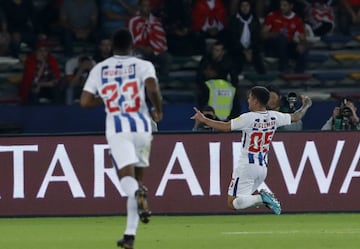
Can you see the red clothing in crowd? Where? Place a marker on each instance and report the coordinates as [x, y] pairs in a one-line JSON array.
[[148, 32], [318, 14], [203, 15], [354, 2], [30, 71], [286, 24]]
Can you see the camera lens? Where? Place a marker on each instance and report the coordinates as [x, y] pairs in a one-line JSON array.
[[292, 97]]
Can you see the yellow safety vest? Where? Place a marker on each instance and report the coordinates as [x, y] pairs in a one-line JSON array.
[[221, 95]]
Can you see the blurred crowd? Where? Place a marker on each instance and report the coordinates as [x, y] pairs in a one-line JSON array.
[[227, 34]]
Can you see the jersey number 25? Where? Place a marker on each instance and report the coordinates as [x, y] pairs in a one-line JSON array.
[[259, 141]]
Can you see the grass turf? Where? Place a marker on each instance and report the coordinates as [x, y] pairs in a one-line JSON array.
[[315, 231]]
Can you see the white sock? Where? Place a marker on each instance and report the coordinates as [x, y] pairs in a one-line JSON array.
[[129, 184], [132, 219], [246, 201]]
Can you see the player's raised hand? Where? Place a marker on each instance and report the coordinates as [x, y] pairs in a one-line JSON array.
[[198, 115], [306, 101]]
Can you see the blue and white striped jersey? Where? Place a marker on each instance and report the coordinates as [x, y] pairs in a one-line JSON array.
[[258, 129], [120, 82]]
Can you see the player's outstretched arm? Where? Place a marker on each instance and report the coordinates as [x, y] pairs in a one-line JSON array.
[[217, 125], [88, 100], [300, 113]]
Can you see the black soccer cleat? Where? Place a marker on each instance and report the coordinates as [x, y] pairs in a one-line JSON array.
[[143, 207], [126, 242]]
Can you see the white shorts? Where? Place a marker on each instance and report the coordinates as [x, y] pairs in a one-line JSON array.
[[130, 149], [246, 178]]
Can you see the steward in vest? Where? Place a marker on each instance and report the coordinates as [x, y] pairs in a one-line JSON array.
[[221, 96]]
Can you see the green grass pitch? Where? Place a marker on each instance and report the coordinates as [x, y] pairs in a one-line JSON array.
[[290, 231]]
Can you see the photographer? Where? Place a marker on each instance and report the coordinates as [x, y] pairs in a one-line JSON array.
[[344, 117], [285, 104], [209, 112]]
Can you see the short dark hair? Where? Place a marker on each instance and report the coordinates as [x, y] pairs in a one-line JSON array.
[[274, 89], [208, 108], [84, 58], [122, 40], [261, 93], [289, 1], [103, 37]]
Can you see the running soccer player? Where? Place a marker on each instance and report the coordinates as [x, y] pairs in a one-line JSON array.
[[120, 82], [258, 127]]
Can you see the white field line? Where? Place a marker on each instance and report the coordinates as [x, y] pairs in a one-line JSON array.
[[291, 232]]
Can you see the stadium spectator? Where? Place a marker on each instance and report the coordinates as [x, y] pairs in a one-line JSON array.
[[20, 24], [150, 39], [344, 116], [177, 21], [47, 18], [41, 77], [79, 19], [209, 20], [214, 70], [245, 43], [284, 35], [257, 128], [116, 14], [319, 14], [298, 6], [4, 36], [349, 15], [284, 104], [103, 49], [222, 60], [259, 7], [76, 72]]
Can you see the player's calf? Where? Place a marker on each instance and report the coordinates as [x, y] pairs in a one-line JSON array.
[[143, 206]]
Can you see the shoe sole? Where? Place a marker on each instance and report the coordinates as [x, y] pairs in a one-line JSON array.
[[125, 245], [271, 202]]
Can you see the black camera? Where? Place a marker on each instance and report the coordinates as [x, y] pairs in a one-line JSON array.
[[292, 98], [289, 103], [345, 112], [343, 120]]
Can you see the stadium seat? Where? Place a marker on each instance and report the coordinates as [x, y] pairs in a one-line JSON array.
[[10, 100], [317, 58], [329, 78], [316, 94], [185, 62], [255, 77], [355, 76], [336, 41], [296, 79], [346, 59], [345, 56], [296, 76], [340, 95]]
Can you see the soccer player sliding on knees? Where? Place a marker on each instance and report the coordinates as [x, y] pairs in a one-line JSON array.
[[258, 127]]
